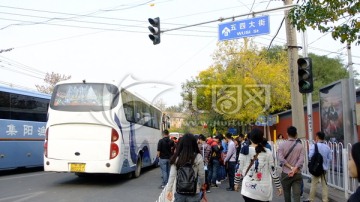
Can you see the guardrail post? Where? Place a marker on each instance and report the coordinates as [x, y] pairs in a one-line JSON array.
[[345, 172]]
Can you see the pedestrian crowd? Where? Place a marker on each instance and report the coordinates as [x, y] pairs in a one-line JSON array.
[[247, 164]]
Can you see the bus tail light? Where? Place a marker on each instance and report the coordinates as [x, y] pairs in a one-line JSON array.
[[114, 135], [114, 150]]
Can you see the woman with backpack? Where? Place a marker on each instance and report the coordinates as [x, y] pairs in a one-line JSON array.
[[187, 174], [257, 171]]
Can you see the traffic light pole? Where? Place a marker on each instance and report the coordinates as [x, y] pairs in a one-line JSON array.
[[308, 95]]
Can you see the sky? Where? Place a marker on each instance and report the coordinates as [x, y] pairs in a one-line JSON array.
[[108, 40]]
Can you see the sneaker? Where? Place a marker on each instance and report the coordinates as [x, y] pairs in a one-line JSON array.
[[208, 191], [161, 187], [229, 189], [218, 182]]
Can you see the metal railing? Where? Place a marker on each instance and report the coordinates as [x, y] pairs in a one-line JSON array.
[[337, 175]]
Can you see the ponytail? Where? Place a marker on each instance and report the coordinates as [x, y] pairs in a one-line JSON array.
[[259, 148]]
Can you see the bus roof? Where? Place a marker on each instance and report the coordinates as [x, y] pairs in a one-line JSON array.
[[24, 92]]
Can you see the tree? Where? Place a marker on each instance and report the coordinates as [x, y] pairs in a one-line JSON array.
[[51, 80], [338, 17], [325, 71], [243, 83], [159, 103], [209, 97]]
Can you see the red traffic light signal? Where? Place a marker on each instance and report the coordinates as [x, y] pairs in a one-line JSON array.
[[155, 30], [306, 84]]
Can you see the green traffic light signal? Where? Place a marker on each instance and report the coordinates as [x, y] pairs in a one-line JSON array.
[[306, 84], [155, 30]]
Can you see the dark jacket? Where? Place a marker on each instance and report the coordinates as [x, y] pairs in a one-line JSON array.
[[165, 147], [216, 152], [355, 197]]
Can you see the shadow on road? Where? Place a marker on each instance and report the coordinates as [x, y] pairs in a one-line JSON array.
[[102, 179], [17, 171]]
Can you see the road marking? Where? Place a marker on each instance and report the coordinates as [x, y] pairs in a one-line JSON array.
[[23, 197]]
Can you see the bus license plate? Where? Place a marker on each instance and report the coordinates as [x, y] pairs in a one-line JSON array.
[[77, 167]]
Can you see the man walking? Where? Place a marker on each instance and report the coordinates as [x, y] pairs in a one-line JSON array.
[[165, 149], [291, 157], [325, 152], [230, 160]]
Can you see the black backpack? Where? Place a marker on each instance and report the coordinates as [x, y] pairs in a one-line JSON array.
[[316, 163], [186, 181]]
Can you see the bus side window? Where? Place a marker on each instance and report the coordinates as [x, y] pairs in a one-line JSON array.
[[129, 112], [138, 117]]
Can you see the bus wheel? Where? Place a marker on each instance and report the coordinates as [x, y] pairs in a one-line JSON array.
[[137, 171]]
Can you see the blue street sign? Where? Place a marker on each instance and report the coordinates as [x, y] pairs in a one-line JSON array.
[[232, 130], [261, 121], [244, 28]]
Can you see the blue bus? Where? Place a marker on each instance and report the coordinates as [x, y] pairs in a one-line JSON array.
[[23, 116]]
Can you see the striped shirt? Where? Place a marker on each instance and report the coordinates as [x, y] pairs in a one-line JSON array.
[[295, 158]]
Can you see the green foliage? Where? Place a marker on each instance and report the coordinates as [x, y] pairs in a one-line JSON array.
[[338, 17], [325, 71], [212, 96], [243, 83]]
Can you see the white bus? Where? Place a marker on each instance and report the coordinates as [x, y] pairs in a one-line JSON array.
[[98, 127]]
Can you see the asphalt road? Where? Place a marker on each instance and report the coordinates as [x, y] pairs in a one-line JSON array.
[[39, 186]]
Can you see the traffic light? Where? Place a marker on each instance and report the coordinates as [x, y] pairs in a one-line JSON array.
[[306, 84], [155, 30]]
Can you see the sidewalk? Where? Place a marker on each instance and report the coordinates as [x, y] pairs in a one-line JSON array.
[[335, 195]]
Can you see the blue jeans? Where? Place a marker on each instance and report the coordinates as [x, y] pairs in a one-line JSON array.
[[187, 198], [165, 170], [213, 170]]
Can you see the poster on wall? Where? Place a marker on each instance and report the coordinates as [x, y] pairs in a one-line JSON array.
[[332, 112]]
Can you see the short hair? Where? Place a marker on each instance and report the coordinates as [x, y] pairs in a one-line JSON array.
[[321, 135], [202, 137], [228, 135], [291, 130], [166, 132], [241, 135]]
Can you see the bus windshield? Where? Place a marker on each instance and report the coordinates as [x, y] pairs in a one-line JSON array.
[[84, 97]]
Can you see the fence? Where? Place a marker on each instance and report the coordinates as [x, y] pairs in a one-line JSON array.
[[337, 175]]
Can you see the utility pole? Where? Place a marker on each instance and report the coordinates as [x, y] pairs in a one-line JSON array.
[[297, 107], [352, 93]]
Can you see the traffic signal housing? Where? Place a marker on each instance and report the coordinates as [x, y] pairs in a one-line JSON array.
[[306, 83], [155, 30]]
